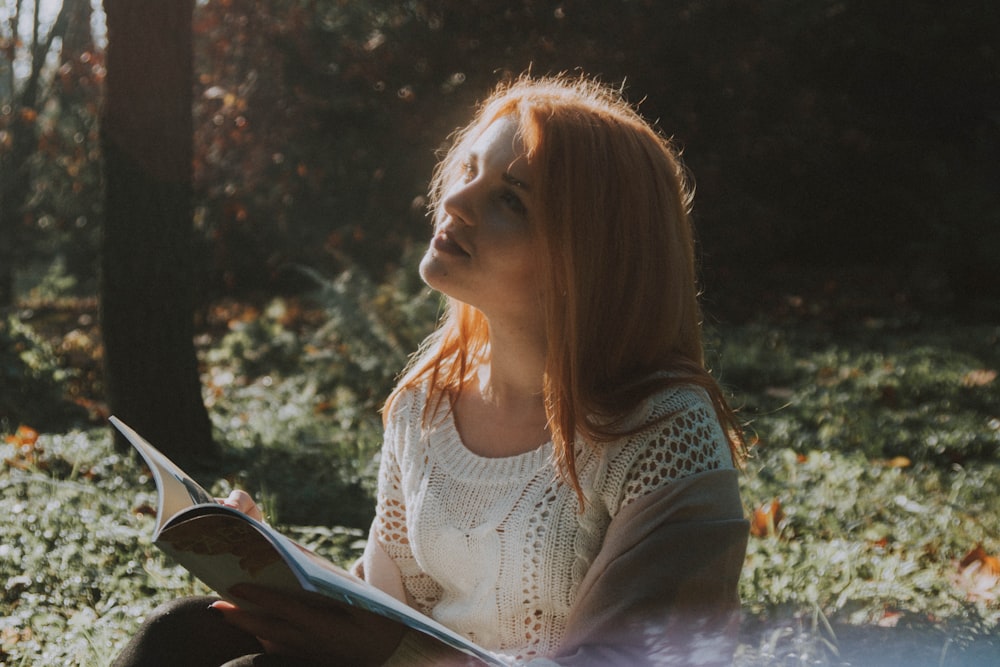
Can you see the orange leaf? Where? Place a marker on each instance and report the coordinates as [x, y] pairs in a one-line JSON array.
[[890, 618], [979, 575], [979, 378], [898, 462], [978, 553], [24, 436], [767, 519], [881, 542], [987, 562], [27, 435]]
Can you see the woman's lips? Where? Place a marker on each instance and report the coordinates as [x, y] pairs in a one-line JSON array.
[[444, 243]]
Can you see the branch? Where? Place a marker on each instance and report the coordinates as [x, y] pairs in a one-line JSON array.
[[39, 52]]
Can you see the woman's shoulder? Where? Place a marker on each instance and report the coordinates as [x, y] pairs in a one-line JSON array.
[[416, 407], [405, 406], [674, 399], [673, 433], [670, 399]]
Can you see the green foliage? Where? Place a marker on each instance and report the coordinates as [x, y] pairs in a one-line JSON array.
[[300, 410], [32, 381], [75, 554], [866, 538], [881, 447], [51, 75], [76, 559], [863, 544], [877, 536], [927, 394]]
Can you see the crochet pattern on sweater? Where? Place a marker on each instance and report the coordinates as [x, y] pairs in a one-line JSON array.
[[495, 548]]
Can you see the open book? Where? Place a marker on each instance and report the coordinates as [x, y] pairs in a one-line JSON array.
[[223, 547]]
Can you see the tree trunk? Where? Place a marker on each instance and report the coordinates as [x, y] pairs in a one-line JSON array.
[[147, 284]]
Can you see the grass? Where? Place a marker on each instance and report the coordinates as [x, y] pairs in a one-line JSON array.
[[873, 482]]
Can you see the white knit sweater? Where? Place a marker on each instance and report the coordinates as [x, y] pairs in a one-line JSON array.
[[495, 548]]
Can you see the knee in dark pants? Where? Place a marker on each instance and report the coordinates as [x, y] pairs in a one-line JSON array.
[[186, 632], [181, 611]]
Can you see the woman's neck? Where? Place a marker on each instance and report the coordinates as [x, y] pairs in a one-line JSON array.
[[503, 414], [515, 373]]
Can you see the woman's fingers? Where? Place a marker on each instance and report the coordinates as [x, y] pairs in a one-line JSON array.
[[259, 624], [241, 500], [331, 631]]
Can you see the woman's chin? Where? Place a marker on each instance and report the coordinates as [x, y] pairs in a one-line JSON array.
[[432, 271]]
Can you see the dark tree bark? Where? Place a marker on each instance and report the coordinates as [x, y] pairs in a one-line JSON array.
[[147, 286]]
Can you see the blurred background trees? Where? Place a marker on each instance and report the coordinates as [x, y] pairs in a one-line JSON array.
[[50, 76], [846, 153], [821, 133]]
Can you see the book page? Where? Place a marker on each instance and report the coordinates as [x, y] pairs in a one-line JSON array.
[[227, 548], [177, 491]]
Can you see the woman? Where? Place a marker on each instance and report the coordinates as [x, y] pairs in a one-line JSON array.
[[558, 479]]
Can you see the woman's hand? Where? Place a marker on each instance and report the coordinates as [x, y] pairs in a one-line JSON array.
[[241, 500], [336, 634]]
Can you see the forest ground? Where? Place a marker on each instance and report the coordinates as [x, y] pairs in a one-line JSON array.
[[871, 492]]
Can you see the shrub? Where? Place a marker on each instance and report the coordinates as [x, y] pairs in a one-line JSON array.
[[31, 380]]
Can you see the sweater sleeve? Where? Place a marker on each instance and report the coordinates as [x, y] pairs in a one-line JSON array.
[[663, 589], [390, 531]]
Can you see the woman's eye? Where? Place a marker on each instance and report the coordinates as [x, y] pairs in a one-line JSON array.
[[513, 202], [468, 171]]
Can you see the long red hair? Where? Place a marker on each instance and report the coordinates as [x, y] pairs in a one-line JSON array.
[[621, 305]]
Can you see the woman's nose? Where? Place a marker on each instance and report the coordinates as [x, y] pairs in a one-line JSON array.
[[457, 204]]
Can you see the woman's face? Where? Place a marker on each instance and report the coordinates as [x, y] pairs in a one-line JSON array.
[[483, 252]]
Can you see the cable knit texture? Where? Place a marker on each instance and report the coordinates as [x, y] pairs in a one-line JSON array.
[[495, 548]]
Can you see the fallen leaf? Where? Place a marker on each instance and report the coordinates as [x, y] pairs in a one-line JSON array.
[[898, 462], [979, 555], [890, 618], [979, 378], [767, 518], [25, 435], [144, 509], [28, 452], [978, 575], [11, 636]]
